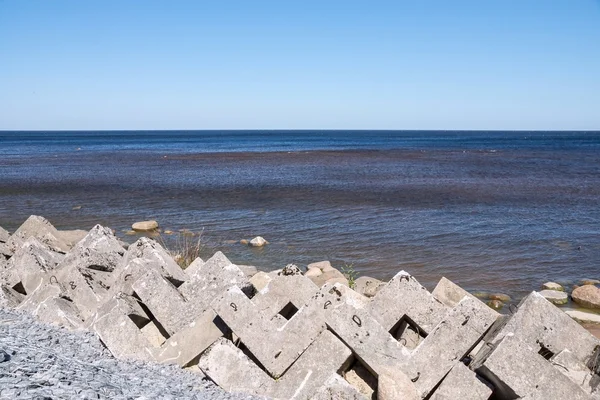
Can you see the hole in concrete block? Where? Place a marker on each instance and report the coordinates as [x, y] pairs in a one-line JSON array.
[[408, 333], [288, 311], [545, 352], [359, 376], [139, 321], [174, 282], [20, 289]]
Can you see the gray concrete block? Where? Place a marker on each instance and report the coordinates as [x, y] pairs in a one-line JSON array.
[[404, 296], [337, 388], [276, 347], [114, 325], [233, 371], [449, 293], [215, 276], [188, 343], [33, 263], [10, 297], [47, 302], [462, 383], [87, 288], [194, 267], [41, 229], [539, 322], [4, 235], [163, 299], [449, 342], [326, 355], [98, 250], [516, 369], [367, 286], [393, 384], [567, 363], [281, 290]]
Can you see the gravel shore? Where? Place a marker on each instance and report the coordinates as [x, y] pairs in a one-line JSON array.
[[39, 361]]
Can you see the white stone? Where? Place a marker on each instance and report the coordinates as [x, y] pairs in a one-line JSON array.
[[555, 297], [583, 316], [258, 241], [144, 226]]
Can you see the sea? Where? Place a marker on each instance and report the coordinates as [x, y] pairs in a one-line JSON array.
[[492, 211]]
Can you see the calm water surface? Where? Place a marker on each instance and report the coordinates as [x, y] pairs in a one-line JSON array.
[[492, 211]]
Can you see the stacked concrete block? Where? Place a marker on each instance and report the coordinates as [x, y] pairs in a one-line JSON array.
[[462, 383], [41, 229]]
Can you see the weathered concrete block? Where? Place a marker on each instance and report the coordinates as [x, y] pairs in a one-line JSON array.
[[574, 369], [194, 267], [516, 370], [215, 276], [32, 263], [449, 293], [462, 383], [163, 299], [41, 229], [188, 343], [4, 235], [260, 280], [98, 250], [87, 288], [394, 384], [274, 346], [118, 324], [283, 290], [233, 371], [404, 296], [540, 323], [49, 304], [337, 388], [10, 297], [326, 355]]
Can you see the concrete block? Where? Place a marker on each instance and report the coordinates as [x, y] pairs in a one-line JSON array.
[[87, 288], [48, 303], [114, 324], [540, 323], [393, 384], [190, 342], [326, 355], [233, 371], [275, 347], [152, 332], [574, 369], [163, 300], [517, 370], [462, 383], [260, 280], [4, 235], [449, 293], [10, 297], [449, 342], [404, 296], [248, 270], [41, 229], [282, 290], [194, 267], [213, 278], [337, 388], [98, 250], [33, 263], [150, 254]]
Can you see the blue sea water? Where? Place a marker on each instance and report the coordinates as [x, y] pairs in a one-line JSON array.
[[492, 211]]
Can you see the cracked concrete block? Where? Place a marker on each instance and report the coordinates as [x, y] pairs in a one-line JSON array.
[[4, 235], [540, 323], [517, 370], [163, 299], [33, 263], [404, 296], [337, 388], [326, 355], [275, 347], [233, 371], [10, 297], [41, 229], [215, 276], [574, 369], [117, 323], [462, 383], [190, 342], [282, 290]]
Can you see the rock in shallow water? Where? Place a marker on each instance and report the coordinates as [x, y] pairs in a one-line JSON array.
[[553, 286], [587, 296], [555, 297], [144, 226], [585, 317]]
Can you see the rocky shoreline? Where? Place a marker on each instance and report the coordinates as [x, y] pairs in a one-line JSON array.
[[291, 333]]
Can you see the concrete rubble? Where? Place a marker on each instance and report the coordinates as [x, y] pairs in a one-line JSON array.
[[289, 334]]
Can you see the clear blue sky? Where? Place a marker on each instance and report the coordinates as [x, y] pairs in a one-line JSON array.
[[447, 64]]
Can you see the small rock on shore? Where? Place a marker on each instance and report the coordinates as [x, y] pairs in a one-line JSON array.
[[587, 296]]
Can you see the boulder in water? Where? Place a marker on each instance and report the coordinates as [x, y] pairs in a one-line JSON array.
[[145, 226], [587, 296]]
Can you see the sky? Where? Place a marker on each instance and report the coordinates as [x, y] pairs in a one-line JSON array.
[[326, 64]]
